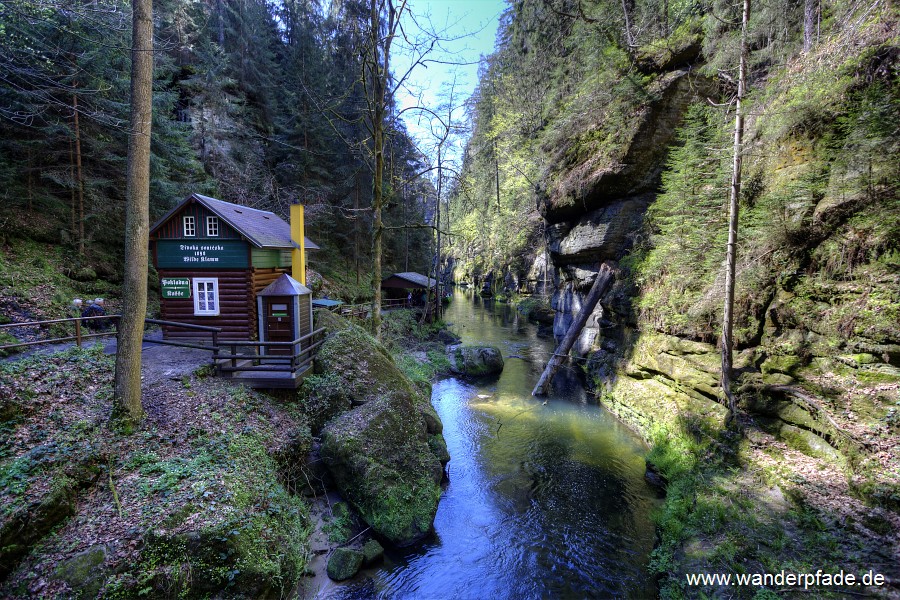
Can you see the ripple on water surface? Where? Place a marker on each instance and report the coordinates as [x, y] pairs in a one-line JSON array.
[[546, 499]]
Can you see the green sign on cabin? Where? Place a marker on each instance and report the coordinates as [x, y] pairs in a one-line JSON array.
[[202, 254], [175, 287]]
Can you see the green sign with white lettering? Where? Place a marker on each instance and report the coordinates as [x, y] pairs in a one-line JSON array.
[[175, 287], [202, 254]]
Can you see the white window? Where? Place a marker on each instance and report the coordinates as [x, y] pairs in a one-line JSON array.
[[190, 229], [206, 296], [212, 226]]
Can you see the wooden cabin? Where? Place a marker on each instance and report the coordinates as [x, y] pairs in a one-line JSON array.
[[215, 257], [398, 285]]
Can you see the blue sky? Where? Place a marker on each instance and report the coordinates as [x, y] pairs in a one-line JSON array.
[[473, 26]]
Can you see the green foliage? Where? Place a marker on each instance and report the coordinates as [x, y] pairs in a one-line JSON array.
[[530, 303], [340, 525], [678, 267]]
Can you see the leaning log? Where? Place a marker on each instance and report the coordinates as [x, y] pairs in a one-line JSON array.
[[604, 279]]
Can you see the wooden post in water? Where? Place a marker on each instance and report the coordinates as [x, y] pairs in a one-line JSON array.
[[604, 279]]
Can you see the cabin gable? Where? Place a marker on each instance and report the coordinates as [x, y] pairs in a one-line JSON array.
[[173, 228]]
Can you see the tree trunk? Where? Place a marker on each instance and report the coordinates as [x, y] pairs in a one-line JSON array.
[[356, 228], [601, 284], [30, 184], [627, 7], [72, 190], [497, 175], [809, 23], [127, 398], [380, 69], [437, 268], [80, 175], [220, 10], [378, 148], [731, 255]]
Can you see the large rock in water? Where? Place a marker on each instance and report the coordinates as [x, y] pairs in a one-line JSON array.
[[475, 360], [382, 464], [344, 563]]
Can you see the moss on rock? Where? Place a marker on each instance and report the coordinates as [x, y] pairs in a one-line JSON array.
[[84, 572], [365, 367], [344, 563], [373, 552], [475, 360], [381, 462]]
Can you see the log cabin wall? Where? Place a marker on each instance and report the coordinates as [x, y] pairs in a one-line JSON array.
[[235, 306]]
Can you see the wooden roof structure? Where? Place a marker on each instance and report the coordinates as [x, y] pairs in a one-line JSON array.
[[261, 228], [285, 285], [408, 280]]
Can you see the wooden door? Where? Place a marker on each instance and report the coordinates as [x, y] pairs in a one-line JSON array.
[[279, 323]]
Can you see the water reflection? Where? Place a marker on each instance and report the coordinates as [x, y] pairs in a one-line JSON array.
[[545, 499]]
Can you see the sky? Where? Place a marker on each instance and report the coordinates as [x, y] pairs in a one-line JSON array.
[[471, 26]]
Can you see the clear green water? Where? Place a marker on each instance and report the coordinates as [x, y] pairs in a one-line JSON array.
[[545, 500]]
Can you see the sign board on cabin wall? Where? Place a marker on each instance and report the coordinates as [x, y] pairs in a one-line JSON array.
[[175, 287], [201, 254]]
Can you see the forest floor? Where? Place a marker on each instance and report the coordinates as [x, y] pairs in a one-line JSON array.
[[207, 491], [87, 504], [764, 503]]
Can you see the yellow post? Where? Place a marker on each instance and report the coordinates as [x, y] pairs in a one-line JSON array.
[[298, 256]]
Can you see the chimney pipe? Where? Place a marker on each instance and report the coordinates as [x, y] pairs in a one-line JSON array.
[[298, 255]]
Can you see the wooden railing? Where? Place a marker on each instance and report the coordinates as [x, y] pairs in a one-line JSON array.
[[260, 359], [78, 337], [213, 331], [363, 310]]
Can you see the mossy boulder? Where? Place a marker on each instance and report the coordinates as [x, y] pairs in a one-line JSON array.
[[373, 553], [366, 369], [24, 522], [84, 572], [259, 552], [332, 322], [788, 364], [379, 457], [324, 397], [475, 360], [5, 340], [344, 563], [438, 447]]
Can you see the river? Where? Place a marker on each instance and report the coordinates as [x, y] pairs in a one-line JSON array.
[[545, 500]]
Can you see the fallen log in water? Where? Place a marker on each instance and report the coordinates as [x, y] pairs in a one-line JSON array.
[[604, 279]]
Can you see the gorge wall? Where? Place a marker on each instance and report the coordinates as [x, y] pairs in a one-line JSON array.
[[625, 155]]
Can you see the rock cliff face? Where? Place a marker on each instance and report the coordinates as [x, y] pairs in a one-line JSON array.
[[808, 333], [593, 212], [594, 183]]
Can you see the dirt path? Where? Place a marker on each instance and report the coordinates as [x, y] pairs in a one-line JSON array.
[[158, 362]]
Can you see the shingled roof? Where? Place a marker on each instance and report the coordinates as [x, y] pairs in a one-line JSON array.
[[417, 279], [262, 228], [285, 285]]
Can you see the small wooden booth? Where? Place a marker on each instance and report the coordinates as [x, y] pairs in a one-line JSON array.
[[214, 258], [285, 314]]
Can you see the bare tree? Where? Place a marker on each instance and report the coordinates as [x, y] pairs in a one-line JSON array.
[[810, 10], [377, 66], [731, 254], [127, 398]]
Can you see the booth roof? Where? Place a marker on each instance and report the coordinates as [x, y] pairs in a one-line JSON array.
[[285, 285]]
